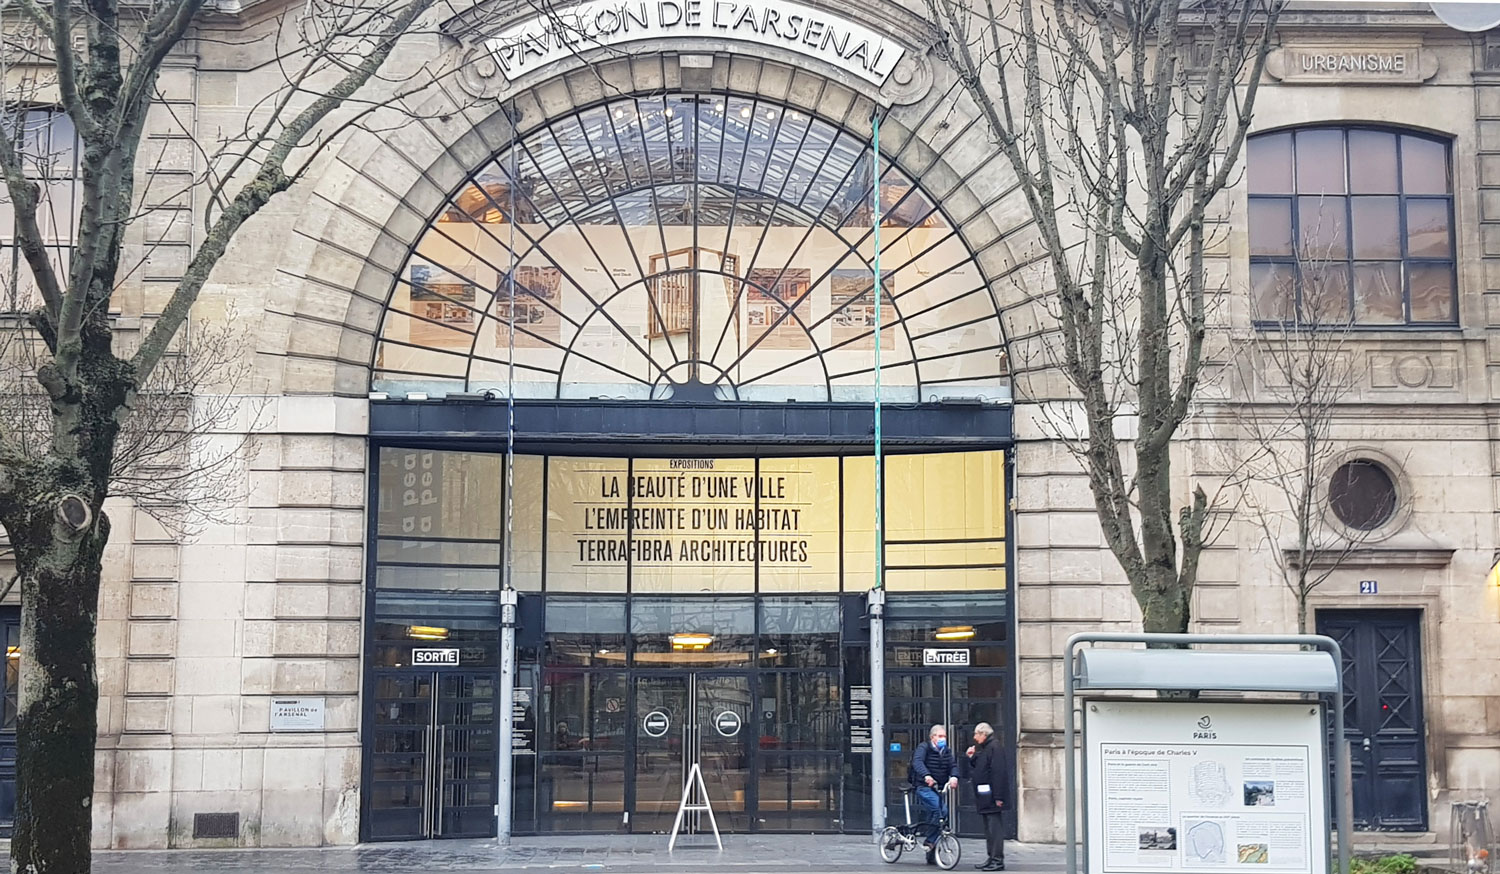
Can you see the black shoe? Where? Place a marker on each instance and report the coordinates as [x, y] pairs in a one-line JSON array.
[[999, 865], [985, 865]]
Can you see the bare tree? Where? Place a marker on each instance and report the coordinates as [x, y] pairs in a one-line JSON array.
[[179, 456], [105, 61], [1299, 371], [1121, 122]]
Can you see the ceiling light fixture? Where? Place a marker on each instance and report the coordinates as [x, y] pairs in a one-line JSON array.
[[693, 640], [955, 632], [427, 632]]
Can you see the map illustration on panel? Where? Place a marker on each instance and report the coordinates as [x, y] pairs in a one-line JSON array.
[[1210, 786], [1205, 842]]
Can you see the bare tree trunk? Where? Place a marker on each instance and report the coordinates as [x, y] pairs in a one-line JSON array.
[[1165, 602], [60, 574], [54, 477]]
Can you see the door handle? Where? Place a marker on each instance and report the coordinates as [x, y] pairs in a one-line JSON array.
[[427, 781], [437, 780]]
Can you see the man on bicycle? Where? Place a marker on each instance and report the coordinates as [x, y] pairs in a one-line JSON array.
[[934, 770]]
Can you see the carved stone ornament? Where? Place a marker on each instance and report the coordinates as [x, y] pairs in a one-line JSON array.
[[546, 41], [479, 73], [1345, 64], [1413, 369]]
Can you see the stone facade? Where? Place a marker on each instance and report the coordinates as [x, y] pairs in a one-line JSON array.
[[196, 637]]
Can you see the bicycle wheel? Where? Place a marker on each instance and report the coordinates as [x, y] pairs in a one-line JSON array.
[[948, 851], [891, 844]]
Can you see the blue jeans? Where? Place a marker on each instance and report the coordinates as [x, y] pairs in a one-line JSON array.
[[934, 809]]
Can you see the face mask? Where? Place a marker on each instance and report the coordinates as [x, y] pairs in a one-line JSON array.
[[941, 744]]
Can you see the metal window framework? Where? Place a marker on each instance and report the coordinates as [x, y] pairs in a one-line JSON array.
[[1293, 261], [610, 164]]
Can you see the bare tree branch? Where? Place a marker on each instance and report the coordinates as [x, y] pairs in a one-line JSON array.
[[270, 179], [87, 410], [1298, 372], [1122, 122], [24, 197]]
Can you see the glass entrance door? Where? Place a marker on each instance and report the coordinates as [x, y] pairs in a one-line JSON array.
[[956, 699], [432, 770], [686, 719]]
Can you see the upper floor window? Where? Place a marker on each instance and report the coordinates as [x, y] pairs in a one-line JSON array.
[[47, 144], [1353, 226]]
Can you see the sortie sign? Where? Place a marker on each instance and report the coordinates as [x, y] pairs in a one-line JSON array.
[[796, 27], [444, 656]]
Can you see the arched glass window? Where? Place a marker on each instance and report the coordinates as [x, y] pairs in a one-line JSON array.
[[690, 246], [47, 144], [1351, 225]]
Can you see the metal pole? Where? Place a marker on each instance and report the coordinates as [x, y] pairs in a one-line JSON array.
[[505, 769], [877, 589], [1070, 765], [1341, 768], [877, 711], [503, 800]]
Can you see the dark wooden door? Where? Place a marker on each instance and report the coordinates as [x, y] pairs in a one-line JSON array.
[[1383, 715]]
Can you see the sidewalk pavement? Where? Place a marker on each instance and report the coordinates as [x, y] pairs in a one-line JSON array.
[[607, 854]]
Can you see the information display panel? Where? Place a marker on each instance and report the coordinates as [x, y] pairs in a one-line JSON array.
[[1205, 787]]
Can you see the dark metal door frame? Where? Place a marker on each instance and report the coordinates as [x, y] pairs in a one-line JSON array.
[[692, 739], [955, 803], [963, 800], [436, 754]]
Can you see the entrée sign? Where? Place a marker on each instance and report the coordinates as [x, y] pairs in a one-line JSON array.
[[789, 25]]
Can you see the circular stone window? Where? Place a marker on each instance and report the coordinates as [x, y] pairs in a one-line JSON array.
[[1362, 494]]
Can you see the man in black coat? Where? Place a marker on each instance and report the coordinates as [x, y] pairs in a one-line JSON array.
[[987, 768], [933, 771]]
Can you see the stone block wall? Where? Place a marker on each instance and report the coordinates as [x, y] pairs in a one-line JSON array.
[[197, 636]]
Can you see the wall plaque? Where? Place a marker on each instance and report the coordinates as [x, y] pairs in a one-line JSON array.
[[297, 714], [25, 43], [1343, 64]]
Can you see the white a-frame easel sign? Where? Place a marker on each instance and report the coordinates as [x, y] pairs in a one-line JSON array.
[[693, 786]]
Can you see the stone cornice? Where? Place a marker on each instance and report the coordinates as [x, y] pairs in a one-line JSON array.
[[1378, 556]]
